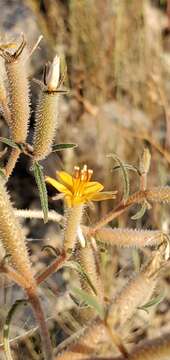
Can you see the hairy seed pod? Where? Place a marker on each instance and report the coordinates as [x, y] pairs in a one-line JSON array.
[[17, 73], [45, 124], [155, 349], [158, 194], [3, 93], [129, 237], [13, 238], [137, 292], [89, 263], [73, 220], [47, 113], [84, 343], [145, 161]]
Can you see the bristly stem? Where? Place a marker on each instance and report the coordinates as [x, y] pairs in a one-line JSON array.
[[36, 307], [135, 198], [73, 220], [56, 265], [39, 315]]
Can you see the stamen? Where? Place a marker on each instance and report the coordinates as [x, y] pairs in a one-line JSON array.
[[90, 173], [84, 168], [76, 173], [84, 173]]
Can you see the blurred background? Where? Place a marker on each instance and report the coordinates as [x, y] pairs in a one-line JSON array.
[[116, 59]]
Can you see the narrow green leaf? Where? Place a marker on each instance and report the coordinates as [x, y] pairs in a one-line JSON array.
[[126, 185], [140, 212], [59, 147], [39, 178], [6, 327], [128, 167], [9, 142], [51, 249], [90, 300], [75, 265], [136, 259], [155, 301]]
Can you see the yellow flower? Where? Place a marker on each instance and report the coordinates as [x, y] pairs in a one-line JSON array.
[[78, 189]]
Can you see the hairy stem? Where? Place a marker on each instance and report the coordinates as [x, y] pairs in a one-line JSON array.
[[39, 315]]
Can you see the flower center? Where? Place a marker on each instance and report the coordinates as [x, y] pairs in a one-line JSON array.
[[80, 179]]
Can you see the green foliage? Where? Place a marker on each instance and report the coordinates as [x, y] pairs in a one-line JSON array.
[[90, 300], [140, 212], [39, 178], [153, 302], [6, 327], [9, 142], [60, 147], [126, 185]]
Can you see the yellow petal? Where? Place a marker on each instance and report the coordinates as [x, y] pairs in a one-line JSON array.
[[60, 187], [105, 195], [93, 187], [66, 178]]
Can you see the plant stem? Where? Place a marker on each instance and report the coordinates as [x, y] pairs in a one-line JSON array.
[[40, 318], [113, 214], [51, 268]]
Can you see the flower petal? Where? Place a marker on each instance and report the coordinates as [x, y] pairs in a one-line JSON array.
[[60, 187], [105, 195], [66, 178], [93, 187]]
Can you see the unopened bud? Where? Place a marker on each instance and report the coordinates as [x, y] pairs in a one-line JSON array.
[[54, 74], [145, 161]]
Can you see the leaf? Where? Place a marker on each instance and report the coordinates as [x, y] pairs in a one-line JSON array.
[[90, 300], [155, 301], [75, 265], [9, 142], [6, 327], [136, 259], [140, 212], [128, 167], [126, 186], [39, 178], [59, 147], [51, 249]]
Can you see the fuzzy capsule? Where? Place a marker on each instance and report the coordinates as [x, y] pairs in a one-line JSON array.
[[145, 161], [88, 261], [155, 349], [129, 237], [158, 194], [3, 93], [47, 113], [19, 100], [46, 124], [86, 340], [12, 237], [73, 220], [137, 292]]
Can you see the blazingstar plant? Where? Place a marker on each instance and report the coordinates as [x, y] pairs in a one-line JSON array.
[[104, 316]]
